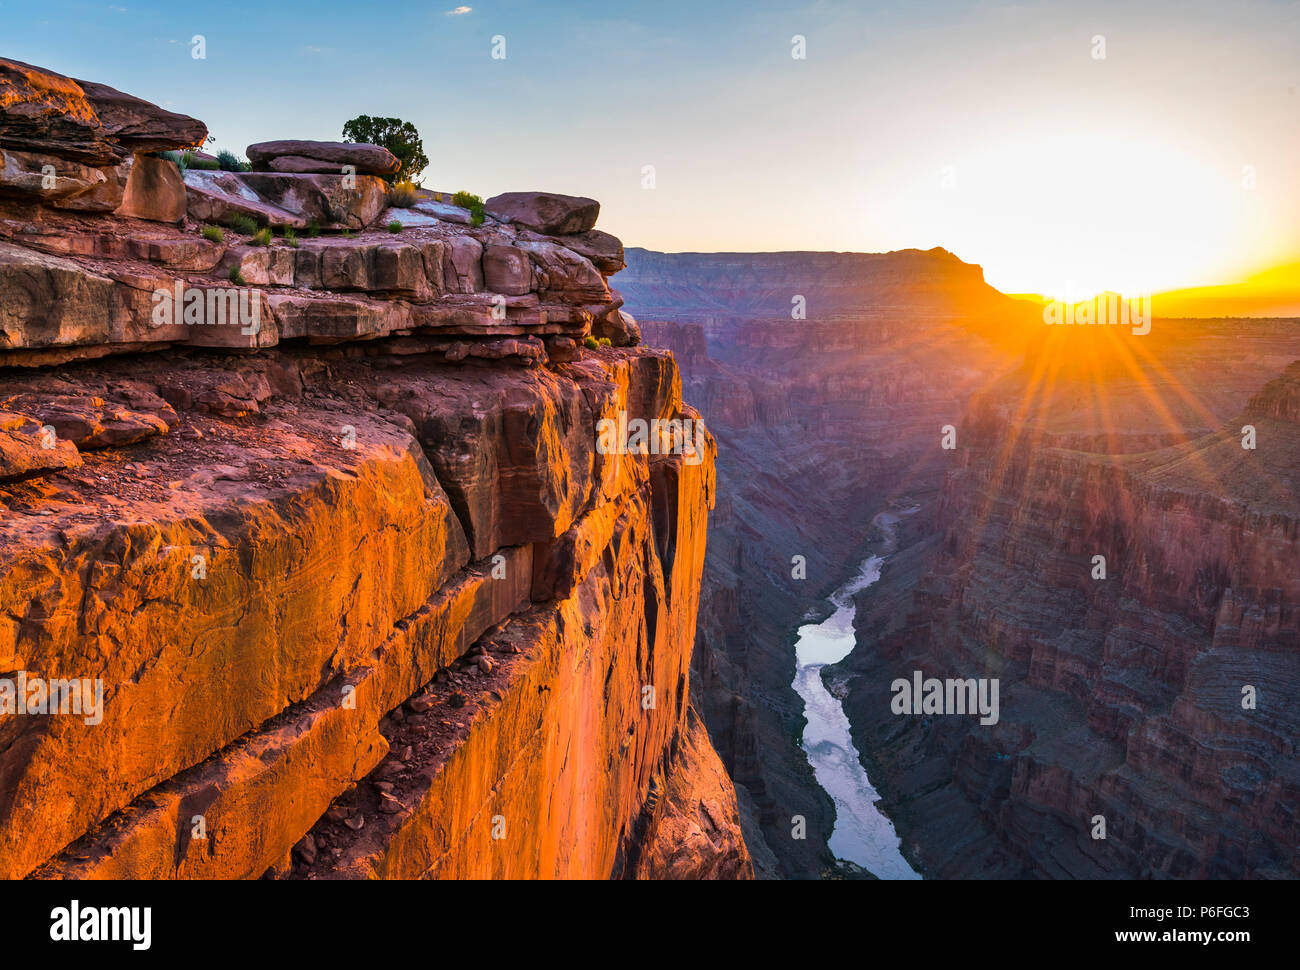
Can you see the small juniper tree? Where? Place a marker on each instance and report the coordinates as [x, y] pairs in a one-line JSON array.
[[398, 136]]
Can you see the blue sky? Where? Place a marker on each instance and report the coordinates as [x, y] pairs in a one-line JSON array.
[[984, 127]]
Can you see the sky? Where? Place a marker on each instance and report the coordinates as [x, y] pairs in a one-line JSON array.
[[1066, 147]]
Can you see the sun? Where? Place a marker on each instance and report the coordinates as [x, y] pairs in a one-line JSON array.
[[1072, 215]]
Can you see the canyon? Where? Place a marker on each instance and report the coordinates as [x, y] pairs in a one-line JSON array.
[[1121, 697], [822, 423], [363, 596], [311, 484]]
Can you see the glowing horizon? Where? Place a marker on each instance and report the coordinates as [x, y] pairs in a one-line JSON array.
[[1067, 148]]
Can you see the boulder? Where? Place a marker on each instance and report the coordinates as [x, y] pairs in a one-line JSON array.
[[322, 157], [603, 249], [136, 125], [49, 114], [630, 330], [621, 328], [544, 212], [154, 191], [90, 422], [562, 350], [26, 448]]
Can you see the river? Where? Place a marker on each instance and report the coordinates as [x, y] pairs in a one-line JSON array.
[[862, 834]]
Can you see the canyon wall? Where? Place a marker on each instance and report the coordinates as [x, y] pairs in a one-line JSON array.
[[318, 518], [822, 423], [1158, 696]]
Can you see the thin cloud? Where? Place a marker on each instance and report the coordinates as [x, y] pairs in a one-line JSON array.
[[459, 11]]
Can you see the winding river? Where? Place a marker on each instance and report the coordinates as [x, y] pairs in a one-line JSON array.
[[863, 834]]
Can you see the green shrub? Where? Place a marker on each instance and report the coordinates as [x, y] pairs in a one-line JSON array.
[[228, 161], [236, 276], [261, 238], [467, 200], [403, 195], [214, 234], [313, 230], [590, 343], [244, 225], [176, 158], [290, 237], [604, 342], [394, 227]]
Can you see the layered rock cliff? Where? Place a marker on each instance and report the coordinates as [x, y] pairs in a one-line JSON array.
[[693, 287], [320, 523]]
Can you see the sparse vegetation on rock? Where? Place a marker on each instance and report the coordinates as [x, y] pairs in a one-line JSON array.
[[467, 200], [228, 161], [242, 224], [402, 195]]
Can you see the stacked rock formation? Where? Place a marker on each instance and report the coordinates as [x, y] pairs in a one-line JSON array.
[[325, 532], [83, 147]]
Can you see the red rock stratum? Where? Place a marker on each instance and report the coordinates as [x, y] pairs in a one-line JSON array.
[[322, 525]]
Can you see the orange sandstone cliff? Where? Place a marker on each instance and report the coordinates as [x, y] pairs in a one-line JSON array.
[[351, 588]]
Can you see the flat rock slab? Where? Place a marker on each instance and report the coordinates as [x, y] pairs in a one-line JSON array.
[[44, 112], [328, 157], [139, 126]]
